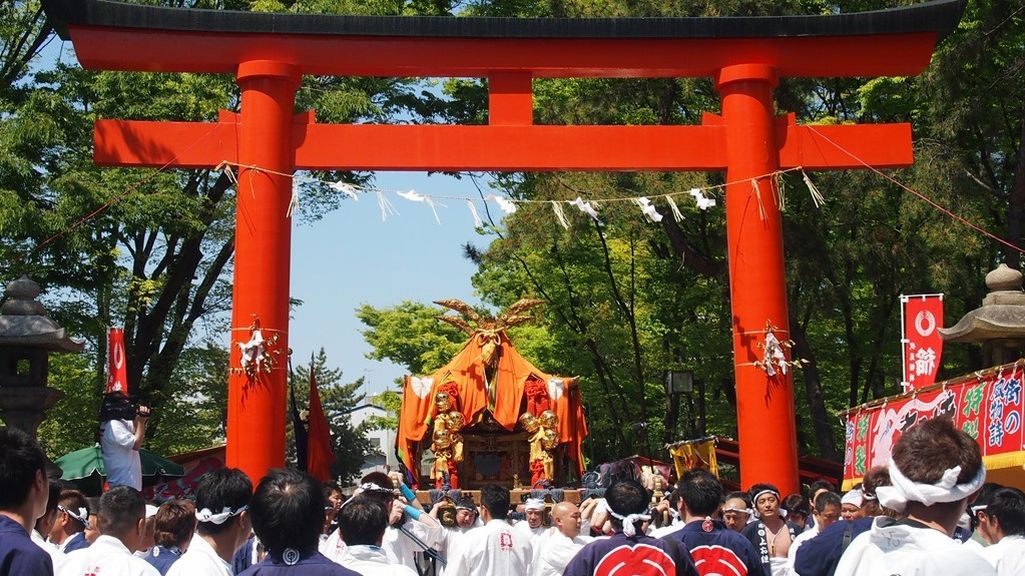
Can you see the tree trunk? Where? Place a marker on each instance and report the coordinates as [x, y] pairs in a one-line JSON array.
[[822, 420]]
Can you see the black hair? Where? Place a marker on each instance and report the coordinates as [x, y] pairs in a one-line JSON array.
[[382, 480], [20, 459], [53, 498], [624, 497], [220, 489], [826, 498], [762, 487], [287, 511], [73, 500], [121, 508], [982, 498], [330, 487], [1007, 505], [701, 492], [819, 485], [362, 521], [796, 504], [496, 500]]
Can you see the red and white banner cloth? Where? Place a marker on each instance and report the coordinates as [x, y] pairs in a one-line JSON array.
[[117, 370], [921, 343]]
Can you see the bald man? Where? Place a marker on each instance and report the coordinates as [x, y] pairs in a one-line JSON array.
[[562, 543]]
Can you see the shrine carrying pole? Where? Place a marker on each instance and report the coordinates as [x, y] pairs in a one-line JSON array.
[[268, 53]]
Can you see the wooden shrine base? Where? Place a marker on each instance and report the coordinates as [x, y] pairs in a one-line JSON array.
[[515, 496]]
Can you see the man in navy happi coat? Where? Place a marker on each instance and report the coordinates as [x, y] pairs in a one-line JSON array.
[[24, 491]]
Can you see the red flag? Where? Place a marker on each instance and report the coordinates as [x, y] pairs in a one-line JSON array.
[[117, 371], [319, 453], [922, 343]]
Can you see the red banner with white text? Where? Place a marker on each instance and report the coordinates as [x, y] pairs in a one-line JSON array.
[[117, 370], [922, 343]]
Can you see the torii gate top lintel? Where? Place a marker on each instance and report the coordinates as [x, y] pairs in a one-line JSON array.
[[112, 35], [745, 57]]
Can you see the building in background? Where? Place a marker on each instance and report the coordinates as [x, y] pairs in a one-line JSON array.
[[382, 442]]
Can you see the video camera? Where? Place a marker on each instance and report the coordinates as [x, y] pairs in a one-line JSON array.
[[117, 406]]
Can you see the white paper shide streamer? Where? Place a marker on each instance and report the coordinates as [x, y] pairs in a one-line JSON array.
[[347, 189], [414, 196], [648, 209], [703, 202], [586, 207], [385, 205], [507, 206], [477, 222]]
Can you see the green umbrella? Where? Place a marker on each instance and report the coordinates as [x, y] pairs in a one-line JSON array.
[[85, 469]]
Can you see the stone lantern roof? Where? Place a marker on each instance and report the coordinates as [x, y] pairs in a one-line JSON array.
[[999, 324], [23, 321]]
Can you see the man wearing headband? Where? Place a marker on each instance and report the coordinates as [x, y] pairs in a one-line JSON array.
[[45, 524], [222, 504], [1005, 528], [736, 510], [935, 472], [122, 524], [404, 519], [533, 526], [68, 532], [850, 505], [495, 549], [771, 535], [466, 519], [628, 547]]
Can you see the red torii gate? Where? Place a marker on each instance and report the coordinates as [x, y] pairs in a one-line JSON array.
[[269, 53]]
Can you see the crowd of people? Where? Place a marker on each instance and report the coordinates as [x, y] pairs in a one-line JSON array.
[[928, 512]]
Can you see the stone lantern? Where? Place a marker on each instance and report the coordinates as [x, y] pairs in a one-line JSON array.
[[27, 338], [999, 324]]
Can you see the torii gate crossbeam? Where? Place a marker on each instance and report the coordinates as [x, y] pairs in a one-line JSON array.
[[268, 54]]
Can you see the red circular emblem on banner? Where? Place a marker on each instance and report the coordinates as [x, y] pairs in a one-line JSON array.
[[639, 560], [716, 560]]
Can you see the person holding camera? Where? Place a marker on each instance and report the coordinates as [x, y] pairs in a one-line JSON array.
[[122, 431]]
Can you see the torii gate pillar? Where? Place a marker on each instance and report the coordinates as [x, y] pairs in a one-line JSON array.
[[765, 405], [263, 232]]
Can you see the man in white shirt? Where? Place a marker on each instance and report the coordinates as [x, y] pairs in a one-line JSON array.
[[1005, 529], [362, 522], [936, 470], [560, 544], [404, 520], [467, 518], [826, 513], [222, 500], [122, 523], [495, 549], [122, 431]]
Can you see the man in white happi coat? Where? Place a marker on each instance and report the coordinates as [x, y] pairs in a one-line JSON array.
[[495, 549], [44, 525], [467, 518], [405, 522], [533, 527], [1005, 530], [560, 543], [122, 524], [936, 470], [222, 503], [68, 532], [362, 522]]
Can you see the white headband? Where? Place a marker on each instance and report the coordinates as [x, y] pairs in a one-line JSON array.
[[628, 521], [854, 497], [372, 487], [205, 515], [903, 490], [534, 504], [744, 510], [82, 516], [779, 509]]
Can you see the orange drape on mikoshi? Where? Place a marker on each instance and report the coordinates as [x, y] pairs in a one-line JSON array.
[[466, 370]]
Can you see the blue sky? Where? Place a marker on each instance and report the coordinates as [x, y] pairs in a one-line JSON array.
[[350, 257]]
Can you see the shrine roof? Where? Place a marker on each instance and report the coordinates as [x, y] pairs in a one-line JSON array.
[[939, 16]]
